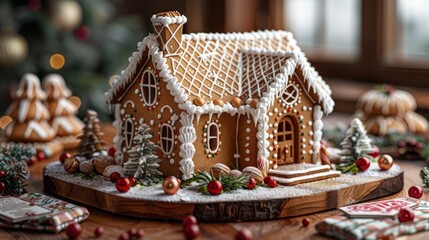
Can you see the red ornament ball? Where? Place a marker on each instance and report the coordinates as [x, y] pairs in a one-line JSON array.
[[244, 234], [2, 174], [170, 185], [272, 184], [405, 215], [64, 156], [268, 179], [98, 232], [415, 192], [40, 156], [111, 152], [133, 181], [73, 230], [305, 222], [114, 176], [123, 184], [214, 187], [124, 236], [363, 164], [375, 152], [189, 220], [83, 33], [2, 186], [251, 184], [32, 161], [191, 231]]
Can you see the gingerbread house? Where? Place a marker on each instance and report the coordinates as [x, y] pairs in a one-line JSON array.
[[235, 98]]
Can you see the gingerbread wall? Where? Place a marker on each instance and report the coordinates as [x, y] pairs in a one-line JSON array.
[[247, 141], [298, 105], [164, 110]]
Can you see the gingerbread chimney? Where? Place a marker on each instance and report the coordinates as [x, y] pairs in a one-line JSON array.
[[169, 27]]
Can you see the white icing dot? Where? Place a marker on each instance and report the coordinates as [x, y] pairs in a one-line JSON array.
[[295, 111], [247, 151], [152, 122], [303, 152], [303, 146], [303, 126], [204, 140], [207, 151], [270, 148], [271, 136], [122, 111], [271, 162], [136, 91], [270, 125], [204, 134], [172, 161], [301, 117], [310, 142], [276, 110], [159, 116], [141, 121], [280, 114], [124, 149], [247, 138], [283, 104], [310, 109], [275, 166], [275, 142], [270, 114], [275, 155], [276, 124], [304, 108], [303, 140], [310, 123], [248, 121], [284, 111], [311, 133], [310, 152], [248, 130], [247, 159]]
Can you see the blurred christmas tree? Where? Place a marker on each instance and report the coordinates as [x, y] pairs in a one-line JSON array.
[[84, 41]]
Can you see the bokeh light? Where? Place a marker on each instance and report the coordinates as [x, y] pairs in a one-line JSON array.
[[57, 61]]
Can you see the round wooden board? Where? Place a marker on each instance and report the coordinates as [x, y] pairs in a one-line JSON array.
[[241, 205]]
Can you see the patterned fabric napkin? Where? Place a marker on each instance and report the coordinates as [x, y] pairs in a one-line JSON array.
[[342, 227], [62, 215]]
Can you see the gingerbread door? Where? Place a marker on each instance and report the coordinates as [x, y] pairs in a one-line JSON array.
[[287, 141]]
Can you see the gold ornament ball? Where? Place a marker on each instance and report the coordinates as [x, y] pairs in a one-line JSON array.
[[170, 185], [13, 49], [65, 14], [385, 162]]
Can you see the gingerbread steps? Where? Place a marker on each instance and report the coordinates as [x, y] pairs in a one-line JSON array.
[[298, 173], [306, 178]]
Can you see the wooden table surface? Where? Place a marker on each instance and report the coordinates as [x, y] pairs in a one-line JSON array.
[[114, 225]]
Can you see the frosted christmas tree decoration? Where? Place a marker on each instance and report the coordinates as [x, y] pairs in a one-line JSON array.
[[143, 162], [91, 142]]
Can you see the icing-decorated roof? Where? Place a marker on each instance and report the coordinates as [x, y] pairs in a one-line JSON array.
[[224, 66]]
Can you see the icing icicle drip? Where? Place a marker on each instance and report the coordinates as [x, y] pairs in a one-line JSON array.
[[118, 139], [187, 137], [317, 128]]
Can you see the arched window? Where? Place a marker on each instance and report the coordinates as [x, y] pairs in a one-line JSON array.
[[213, 137], [167, 139], [129, 132], [149, 88]]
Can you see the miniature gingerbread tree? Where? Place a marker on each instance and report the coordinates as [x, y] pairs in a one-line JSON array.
[[62, 111], [29, 115], [91, 139], [356, 144], [143, 161]]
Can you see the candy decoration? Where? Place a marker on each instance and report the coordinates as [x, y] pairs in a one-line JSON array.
[[268, 179], [71, 165], [272, 184], [40, 156], [254, 173], [114, 176], [415, 192], [251, 184], [133, 181], [324, 155], [375, 152], [189, 220], [123, 184], [191, 231], [244, 234], [219, 169], [385, 162], [73, 230], [111, 152], [170, 185], [363, 164], [32, 161], [64, 156], [305, 222], [405, 215], [214, 187], [263, 165], [2, 174], [98, 232]]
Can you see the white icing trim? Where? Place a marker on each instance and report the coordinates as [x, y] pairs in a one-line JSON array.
[[119, 138], [187, 137], [212, 136], [317, 129], [162, 20]]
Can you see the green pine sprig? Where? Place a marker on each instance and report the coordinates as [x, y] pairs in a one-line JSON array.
[[229, 183]]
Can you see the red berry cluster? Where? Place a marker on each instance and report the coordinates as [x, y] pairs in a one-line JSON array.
[[123, 184], [270, 182], [132, 233], [190, 227], [2, 184]]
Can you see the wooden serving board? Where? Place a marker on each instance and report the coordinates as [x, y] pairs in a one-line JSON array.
[[241, 205]]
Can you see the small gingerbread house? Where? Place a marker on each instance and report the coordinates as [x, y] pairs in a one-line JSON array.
[[235, 98]]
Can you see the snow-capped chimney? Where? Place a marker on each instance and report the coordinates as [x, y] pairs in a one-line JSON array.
[[169, 27]]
